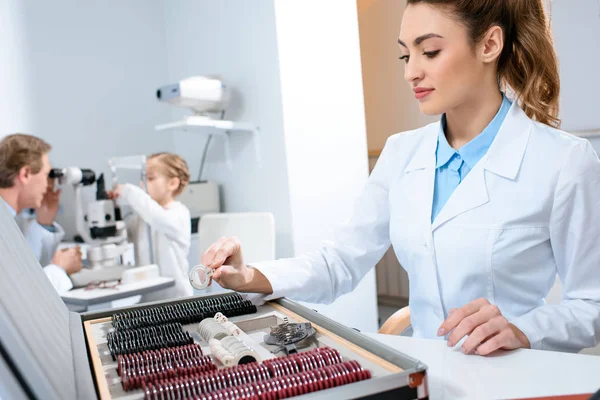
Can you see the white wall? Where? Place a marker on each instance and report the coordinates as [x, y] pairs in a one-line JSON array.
[[236, 39], [92, 70], [325, 133], [15, 107], [576, 26], [314, 154]]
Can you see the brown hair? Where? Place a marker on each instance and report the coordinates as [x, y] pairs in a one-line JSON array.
[[173, 166], [528, 64], [18, 151]]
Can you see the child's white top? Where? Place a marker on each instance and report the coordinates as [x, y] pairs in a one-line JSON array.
[[171, 236]]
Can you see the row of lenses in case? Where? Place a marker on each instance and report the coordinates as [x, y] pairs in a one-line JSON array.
[[254, 372], [149, 338], [152, 365], [275, 388], [230, 305], [301, 362]]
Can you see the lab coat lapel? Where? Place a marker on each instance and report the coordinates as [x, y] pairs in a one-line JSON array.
[[471, 193], [421, 171], [420, 176], [503, 158]]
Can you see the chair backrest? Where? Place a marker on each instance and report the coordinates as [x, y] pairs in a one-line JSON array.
[[255, 230]]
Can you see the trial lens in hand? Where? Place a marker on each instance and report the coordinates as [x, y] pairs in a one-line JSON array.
[[200, 276]]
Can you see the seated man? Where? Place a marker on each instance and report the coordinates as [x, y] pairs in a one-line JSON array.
[[24, 184]]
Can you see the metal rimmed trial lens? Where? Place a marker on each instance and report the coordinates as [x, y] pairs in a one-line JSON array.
[[200, 276]]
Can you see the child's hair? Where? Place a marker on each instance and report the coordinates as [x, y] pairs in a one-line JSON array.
[[173, 166]]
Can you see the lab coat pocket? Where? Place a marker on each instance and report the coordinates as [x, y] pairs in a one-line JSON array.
[[464, 262], [520, 260]]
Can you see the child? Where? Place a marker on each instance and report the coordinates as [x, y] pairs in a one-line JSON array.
[[167, 175]]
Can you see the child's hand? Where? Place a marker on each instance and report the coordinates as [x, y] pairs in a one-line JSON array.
[[114, 194]]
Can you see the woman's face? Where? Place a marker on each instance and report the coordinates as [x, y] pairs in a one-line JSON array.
[[441, 66]]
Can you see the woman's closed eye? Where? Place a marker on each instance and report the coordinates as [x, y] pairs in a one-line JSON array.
[[431, 54], [428, 54]]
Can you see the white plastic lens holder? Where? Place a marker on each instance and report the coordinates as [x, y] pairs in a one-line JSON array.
[[200, 276]]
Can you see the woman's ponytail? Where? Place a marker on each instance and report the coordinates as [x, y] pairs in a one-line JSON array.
[[528, 64]]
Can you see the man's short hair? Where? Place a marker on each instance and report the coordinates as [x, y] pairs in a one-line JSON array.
[[18, 151]]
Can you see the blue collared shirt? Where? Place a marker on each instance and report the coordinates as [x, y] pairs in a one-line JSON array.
[[9, 208], [452, 166]]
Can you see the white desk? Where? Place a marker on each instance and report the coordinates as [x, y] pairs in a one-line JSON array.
[[85, 298], [509, 375]]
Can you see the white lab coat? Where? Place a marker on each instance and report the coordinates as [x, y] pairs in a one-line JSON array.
[[171, 237], [44, 243], [529, 209]]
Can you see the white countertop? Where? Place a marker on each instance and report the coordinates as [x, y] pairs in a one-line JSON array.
[[100, 295], [507, 375]]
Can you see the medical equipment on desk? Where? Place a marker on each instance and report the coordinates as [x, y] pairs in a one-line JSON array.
[[54, 354], [100, 226]]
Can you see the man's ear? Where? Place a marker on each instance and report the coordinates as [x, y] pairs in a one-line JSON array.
[[24, 174]]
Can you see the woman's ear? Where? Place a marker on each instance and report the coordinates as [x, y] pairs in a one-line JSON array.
[[491, 45]]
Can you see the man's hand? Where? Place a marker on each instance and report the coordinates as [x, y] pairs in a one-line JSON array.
[[46, 213], [68, 259], [487, 329]]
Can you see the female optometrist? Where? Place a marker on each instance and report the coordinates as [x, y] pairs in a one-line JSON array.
[[483, 209]]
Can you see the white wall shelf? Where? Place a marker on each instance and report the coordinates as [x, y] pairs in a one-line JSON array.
[[216, 127], [590, 133]]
